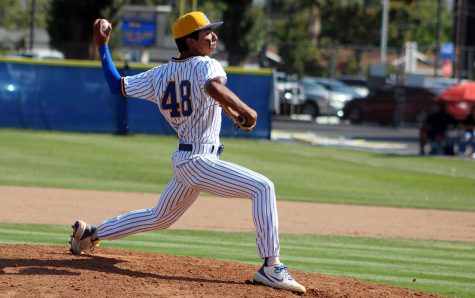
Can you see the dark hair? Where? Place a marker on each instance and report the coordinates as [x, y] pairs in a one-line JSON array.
[[181, 42]]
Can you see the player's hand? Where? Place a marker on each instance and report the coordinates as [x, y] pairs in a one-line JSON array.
[[250, 118], [246, 121], [101, 37]]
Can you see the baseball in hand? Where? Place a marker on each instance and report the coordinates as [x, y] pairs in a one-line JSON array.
[[105, 26]]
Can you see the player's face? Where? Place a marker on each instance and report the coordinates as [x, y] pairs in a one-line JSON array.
[[206, 43]]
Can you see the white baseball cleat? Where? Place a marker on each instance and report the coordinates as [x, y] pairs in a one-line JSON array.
[[81, 239], [278, 277]]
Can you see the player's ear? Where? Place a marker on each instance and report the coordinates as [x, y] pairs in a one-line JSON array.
[[192, 41], [189, 42]]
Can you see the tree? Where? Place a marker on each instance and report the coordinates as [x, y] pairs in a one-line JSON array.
[[241, 34], [238, 24], [70, 24], [359, 22], [296, 47], [15, 16], [416, 21], [351, 23], [294, 30]]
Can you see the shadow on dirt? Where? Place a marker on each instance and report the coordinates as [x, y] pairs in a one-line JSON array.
[[22, 266]]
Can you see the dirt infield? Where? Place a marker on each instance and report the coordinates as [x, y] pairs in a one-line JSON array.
[[50, 271], [61, 206]]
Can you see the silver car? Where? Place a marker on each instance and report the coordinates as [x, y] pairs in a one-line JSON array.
[[291, 95], [319, 100]]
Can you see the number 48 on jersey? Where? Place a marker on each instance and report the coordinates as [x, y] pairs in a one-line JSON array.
[[181, 106]]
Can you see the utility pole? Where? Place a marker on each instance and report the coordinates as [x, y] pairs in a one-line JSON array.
[[32, 24], [437, 39], [267, 16], [458, 38], [182, 7], [384, 31]]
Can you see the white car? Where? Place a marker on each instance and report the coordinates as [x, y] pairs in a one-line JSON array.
[[40, 54]]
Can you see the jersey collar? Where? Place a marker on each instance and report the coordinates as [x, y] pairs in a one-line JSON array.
[[181, 60]]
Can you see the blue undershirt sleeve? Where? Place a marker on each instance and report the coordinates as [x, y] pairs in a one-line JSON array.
[[110, 71]]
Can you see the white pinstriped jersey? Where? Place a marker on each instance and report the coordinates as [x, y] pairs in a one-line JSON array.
[[178, 89]]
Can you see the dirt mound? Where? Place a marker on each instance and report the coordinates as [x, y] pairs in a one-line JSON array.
[[50, 271]]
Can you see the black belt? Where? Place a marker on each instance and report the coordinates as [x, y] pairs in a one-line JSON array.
[[185, 147], [189, 148]]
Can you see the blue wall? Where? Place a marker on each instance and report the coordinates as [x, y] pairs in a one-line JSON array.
[[73, 96]]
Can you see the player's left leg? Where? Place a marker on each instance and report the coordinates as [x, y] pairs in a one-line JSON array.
[[226, 179], [230, 180]]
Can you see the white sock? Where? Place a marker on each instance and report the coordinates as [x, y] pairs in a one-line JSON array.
[[272, 261]]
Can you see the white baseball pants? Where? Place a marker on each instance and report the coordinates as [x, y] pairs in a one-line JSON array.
[[194, 172]]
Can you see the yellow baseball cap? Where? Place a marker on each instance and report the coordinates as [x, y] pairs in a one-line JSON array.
[[191, 22]]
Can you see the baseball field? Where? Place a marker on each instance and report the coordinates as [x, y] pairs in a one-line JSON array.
[[353, 223]]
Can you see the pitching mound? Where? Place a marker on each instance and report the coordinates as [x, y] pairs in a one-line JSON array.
[[50, 271]]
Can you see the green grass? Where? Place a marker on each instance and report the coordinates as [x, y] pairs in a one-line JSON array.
[[441, 267], [301, 172]]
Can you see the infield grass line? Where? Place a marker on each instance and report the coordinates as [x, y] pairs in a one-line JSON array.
[[442, 267], [141, 163]]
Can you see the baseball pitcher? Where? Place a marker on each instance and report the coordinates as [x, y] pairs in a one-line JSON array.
[[191, 94]]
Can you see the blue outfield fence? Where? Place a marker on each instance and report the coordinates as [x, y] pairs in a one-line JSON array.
[[73, 96]]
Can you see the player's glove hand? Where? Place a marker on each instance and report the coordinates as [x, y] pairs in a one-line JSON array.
[[240, 121]]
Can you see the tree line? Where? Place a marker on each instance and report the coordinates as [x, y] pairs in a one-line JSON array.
[[294, 29]]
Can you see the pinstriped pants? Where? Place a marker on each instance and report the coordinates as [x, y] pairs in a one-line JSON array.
[[194, 173]]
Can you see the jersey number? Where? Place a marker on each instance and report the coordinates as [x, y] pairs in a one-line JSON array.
[[170, 102]]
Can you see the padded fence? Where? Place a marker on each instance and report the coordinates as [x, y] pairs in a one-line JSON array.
[[73, 96]]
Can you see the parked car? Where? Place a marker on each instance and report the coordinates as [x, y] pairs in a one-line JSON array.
[[357, 83], [335, 86], [321, 101], [392, 105], [39, 54], [291, 95]]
